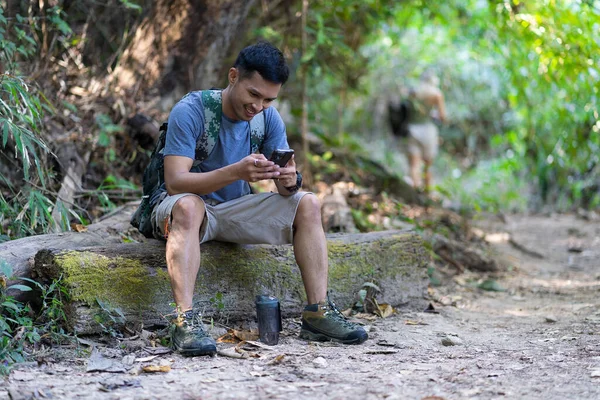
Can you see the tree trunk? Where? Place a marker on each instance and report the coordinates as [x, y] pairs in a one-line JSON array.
[[73, 167], [341, 109], [306, 167], [129, 284], [181, 46]]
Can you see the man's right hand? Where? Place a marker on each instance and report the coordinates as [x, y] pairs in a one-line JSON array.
[[256, 167]]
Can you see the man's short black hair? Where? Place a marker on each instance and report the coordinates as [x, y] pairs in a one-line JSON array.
[[265, 59]]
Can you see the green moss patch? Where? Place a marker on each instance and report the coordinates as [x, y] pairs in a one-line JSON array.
[[118, 281]]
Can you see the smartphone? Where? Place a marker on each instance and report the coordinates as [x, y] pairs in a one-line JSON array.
[[281, 156]]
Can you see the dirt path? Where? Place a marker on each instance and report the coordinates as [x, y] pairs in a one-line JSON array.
[[538, 339]]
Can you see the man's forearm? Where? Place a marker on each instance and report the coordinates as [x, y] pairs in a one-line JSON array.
[[201, 182]]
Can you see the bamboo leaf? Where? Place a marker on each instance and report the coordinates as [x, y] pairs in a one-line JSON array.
[[22, 288]]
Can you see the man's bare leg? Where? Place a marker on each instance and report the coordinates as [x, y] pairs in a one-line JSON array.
[[427, 175], [310, 248], [183, 249], [414, 162], [183, 262], [323, 321]]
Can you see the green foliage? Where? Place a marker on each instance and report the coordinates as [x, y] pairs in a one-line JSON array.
[[492, 186], [111, 182], [554, 80], [333, 62], [434, 276], [131, 5], [20, 328], [491, 285], [217, 302], [368, 288], [25, 208], [521, 81], [27, 212], [106, 131], [109, 318], [56, 16], [361, 219], [20, 122]]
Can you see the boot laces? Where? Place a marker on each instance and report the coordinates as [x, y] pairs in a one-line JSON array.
[[334, 313], [194, 322]]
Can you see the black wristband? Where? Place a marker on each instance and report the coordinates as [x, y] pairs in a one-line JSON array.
[[297, 186]]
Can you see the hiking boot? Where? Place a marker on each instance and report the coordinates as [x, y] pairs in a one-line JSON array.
[[189, 337], [323, 322]]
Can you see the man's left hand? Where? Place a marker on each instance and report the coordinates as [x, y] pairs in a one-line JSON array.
[[287, 174]]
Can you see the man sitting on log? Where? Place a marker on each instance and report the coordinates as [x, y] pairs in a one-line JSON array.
[[207, 196]]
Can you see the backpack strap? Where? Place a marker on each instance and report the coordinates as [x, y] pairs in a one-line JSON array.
[[257, 132], [213, 111]]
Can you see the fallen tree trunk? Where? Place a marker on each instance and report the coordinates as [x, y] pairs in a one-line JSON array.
[[111, 229], [128, 283], [463, 256], [19, 253]]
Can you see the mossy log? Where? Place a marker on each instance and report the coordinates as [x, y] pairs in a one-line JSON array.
[[19, 253], [128, 283]]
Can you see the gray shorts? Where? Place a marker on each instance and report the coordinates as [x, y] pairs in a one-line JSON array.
[[264, 218], [423, 140]]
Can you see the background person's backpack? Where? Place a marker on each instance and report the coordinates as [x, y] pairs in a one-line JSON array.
[[154, 172], [399, 115]]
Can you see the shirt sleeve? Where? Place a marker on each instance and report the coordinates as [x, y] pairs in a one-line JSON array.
[[275, 133], [186, 124]]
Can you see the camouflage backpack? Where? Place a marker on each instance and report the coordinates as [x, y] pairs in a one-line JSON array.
[[154, 172]]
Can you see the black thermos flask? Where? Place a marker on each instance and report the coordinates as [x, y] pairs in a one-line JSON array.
[[268, 314]]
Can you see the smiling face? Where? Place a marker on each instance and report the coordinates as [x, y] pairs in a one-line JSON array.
[[247, 96]]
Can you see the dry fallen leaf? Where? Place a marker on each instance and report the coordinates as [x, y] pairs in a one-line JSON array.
[[78, 227], [384, 310], [277, 360], [227, 338], [156, 368], [243, 352], [232, 353], [235, 336], [368, 317], [246, 335], [259, 344]]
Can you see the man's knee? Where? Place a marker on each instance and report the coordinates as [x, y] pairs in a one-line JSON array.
[[188, 213], [309, 209]]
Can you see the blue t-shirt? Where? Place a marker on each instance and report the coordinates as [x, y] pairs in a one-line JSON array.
[[186, 125]]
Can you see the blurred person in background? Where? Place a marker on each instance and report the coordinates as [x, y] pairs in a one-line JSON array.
[[426, 105]]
